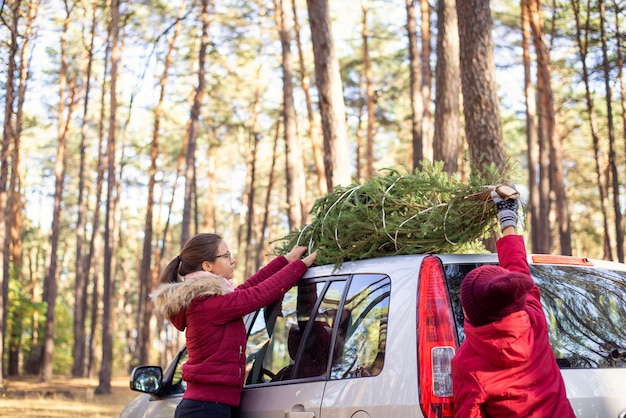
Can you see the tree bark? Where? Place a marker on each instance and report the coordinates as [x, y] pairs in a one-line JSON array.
[[80, 288], [415, 86], [104, 385], [547, 126], [370, 100], [67, 94], [146, 276], [539, 226], [192, 129], [447, 116], [331, 102], [316, 145], [427, 79], [619, 233], [296, 186], [483, 126]]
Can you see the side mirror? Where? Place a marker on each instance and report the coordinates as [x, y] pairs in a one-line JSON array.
[[146, 379]]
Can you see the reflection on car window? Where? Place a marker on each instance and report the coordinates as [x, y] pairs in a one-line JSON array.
[[320, 326], [362, 332], [585, 310], [291, 338], [178, 384]]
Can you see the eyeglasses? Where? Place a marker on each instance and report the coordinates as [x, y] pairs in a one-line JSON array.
[[227, 254]]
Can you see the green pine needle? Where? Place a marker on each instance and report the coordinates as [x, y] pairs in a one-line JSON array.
[[426, 211]]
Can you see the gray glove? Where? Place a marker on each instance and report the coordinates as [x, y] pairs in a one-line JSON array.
[[507, 210]]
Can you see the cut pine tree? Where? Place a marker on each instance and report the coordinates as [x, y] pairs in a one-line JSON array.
[[419, 212]]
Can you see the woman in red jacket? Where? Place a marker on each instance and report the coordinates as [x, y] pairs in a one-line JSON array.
[[506, 366], [198, 297]]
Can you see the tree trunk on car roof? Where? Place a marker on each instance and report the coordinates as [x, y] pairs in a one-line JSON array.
[[483, 126], [447, 115], [331, 102]]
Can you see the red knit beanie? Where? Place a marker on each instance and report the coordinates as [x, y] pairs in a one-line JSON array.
[[489, 293]]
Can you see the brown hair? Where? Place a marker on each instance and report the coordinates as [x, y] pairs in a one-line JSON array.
[[199, 248]]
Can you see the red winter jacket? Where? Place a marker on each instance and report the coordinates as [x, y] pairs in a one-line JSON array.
[[507, 368], [211, 311]]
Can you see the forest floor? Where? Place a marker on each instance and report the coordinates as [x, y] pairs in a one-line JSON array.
[[63, 397]]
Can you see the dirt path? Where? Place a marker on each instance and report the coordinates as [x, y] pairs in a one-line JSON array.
[[63, 397]]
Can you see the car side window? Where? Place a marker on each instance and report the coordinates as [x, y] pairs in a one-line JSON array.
[[362, 330], [178, 385], [321, 330], [292, 338]]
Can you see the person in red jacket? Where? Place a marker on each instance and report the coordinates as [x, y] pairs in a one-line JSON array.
[[505, 367], [197, 296]]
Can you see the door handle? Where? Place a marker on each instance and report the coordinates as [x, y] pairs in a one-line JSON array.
[[297, 411]]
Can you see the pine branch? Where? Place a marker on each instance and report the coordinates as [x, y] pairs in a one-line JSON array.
[[426, 211]]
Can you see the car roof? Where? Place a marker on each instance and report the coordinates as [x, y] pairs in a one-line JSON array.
[[390, 264]]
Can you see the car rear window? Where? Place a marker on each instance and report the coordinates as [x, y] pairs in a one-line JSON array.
[[585, 310]]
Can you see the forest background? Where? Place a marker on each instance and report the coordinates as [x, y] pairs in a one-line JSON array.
[[129, 126]]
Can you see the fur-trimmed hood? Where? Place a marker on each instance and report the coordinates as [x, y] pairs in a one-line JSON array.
[[171, 298]]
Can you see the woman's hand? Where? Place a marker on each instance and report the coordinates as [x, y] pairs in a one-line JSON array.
[[296, 253], [309, 259]]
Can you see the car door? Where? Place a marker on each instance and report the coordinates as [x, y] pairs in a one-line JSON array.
[[289, 351]]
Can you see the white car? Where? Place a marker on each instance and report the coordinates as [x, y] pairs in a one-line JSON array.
[[388, 353]]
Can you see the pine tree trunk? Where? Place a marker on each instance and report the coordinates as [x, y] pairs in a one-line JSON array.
[[483, 126], [547, 127], [447, 117], [268, 199], [80, 283], [329, 87], [5, 152], [427, 78], [146, 276], [316, 145], [370, 103], [620, 72], [192, 130], [619, 233], [539, 227], [581, 39], [296, 186], [106, 364], [417, 101], [67, 94]]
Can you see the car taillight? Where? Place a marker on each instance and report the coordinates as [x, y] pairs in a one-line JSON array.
[[436, 341]]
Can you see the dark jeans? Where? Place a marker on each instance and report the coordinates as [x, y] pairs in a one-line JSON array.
[[188, 408]]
